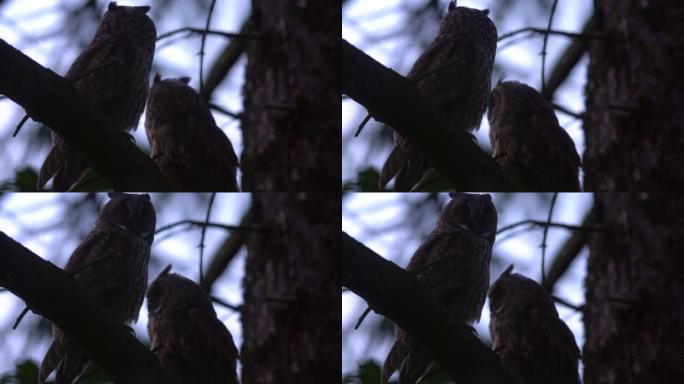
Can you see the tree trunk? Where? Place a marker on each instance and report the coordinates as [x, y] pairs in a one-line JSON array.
[[291, 124], [635, 308], [292, 312], [635, 94]]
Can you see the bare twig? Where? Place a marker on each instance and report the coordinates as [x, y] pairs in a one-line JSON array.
[[568, 252], [236, 308], [21, 124], [201, 55], [572, 35], [226, 252], [543, 52], [201, 31], [225, 111], [546, 231], [559, 300], [549, 224], [227, 227], [204, 231]]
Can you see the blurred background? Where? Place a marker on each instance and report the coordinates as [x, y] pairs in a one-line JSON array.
[[396, 32], [394, 225], [52, 225], [54, 32]]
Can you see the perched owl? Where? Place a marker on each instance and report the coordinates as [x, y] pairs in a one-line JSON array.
[[190, 150], [532, 342], [453, 77], [112, 76], [452, 266], [191, 343], [534, 152], [110, 266]]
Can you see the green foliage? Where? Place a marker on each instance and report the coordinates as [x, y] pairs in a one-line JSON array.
[[368, 373], [24, 181], [366, 181], [27, 373]]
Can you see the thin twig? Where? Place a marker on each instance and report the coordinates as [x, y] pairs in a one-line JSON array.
[[543, 53], [204, 231], [236, 308], [202, 223], [201, 53], [567, 111], [572, 35], [363, 124], [225, 111], [21, 124], [544, 223], [578, 308], [546, 231], [201, 31]]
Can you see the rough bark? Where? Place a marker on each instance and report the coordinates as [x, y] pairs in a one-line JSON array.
[[50, 292], [291, 122], [49, 99], [292, 305], [392, 99], [635, 94], [634, 313], [393, 292]]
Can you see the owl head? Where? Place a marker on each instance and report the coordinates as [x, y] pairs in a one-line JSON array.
[[173, 292], [131, 23], [473, 212], [172, 99], [460, 21], [131, 212], [515, 292]]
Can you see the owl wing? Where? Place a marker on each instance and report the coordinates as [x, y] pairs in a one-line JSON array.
[[558, 142], [218, 152]]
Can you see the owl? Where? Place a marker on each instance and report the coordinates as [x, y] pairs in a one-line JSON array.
[[532, 342], [110, 266], [533, 151], [452, 266], [190, 150], [191, 343], [453, 77], [112, 76]]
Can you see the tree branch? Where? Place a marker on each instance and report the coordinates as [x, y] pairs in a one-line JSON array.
[[568, 252], [568, 60], [50, 99], [226, 253], [394, 293], [52, 293], [226, 59], [392, 99]]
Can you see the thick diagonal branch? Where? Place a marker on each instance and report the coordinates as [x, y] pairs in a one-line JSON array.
[[48, 98], [50, 292], [394, 293], [392, 99]]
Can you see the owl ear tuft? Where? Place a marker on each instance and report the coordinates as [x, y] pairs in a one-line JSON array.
[[112, 6], [115, 194], [452, 5], [165, 271], [185, 79], [157, 78], [508, 271], [145, 196], [485, 12], [143, 9]]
